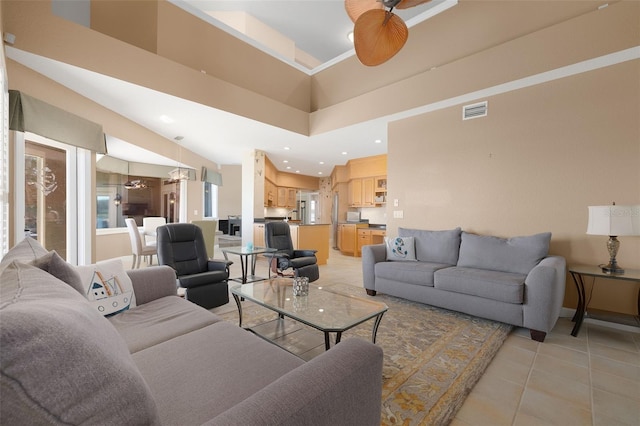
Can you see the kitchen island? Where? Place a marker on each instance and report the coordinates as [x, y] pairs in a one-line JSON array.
[[313, 236]]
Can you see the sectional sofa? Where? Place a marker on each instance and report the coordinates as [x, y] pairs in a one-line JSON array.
[[512, 280], [164, 361]]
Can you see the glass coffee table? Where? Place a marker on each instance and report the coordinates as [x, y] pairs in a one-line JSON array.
[[322, 309]]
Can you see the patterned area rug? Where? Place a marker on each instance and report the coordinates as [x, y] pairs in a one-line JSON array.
[[432, 357]]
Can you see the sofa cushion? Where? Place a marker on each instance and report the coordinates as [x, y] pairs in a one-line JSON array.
[[500, 286], [400, 248], [210, 370], [160, 320], [417, 273], [59, 268], [435, 246], [107, 286], [25, 251], [62, 362], [518, 254]]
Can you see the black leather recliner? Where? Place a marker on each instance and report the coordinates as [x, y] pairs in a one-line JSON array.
[[181, 246], [302, 262]]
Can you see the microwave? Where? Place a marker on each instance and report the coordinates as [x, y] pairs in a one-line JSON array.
[[353, 216]]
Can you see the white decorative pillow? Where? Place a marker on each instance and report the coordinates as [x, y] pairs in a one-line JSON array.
[[107, 286], [400, 248]]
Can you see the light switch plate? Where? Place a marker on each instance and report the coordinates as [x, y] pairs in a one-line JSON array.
[[396, 203], [398, 214]]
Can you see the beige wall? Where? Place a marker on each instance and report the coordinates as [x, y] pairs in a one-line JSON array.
[[534, 164]]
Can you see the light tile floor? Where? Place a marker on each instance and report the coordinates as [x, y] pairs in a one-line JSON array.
[[592, 379]]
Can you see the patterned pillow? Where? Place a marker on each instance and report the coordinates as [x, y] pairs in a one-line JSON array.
[[107, 286], [400, 248]]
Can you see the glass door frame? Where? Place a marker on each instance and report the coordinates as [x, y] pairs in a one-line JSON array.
[[78, 219]]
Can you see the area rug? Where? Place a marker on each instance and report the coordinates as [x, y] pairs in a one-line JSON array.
[[432, 357]]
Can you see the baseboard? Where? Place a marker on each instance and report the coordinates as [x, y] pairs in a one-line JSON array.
[[569, 312]]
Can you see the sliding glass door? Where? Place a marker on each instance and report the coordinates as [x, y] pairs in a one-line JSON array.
[[51, 193]]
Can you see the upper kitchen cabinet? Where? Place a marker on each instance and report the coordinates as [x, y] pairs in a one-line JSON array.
[[287, 197], [368, 181], [361, 192], [281, 188], [380, 190]]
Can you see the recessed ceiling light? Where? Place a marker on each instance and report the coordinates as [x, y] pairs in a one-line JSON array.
[[285, 161], [322, 162], [378, 141], [319, 173], [286, 148], [166, 119], [344, 152], [288, 167], [297, 171]]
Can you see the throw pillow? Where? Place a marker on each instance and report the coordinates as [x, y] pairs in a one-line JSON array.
[[435, 246], [517, 254], [107, 286], [400, 248], [62, 363], [59, 268]]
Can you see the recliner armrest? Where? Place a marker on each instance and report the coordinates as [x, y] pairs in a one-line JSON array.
[[218, 265], [277, 255], [304, 253]]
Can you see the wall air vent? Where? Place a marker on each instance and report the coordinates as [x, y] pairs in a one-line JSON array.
[[474, 110]]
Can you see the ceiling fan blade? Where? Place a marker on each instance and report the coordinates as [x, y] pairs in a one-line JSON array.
[[406, 4], [378, 35], [355, 8]]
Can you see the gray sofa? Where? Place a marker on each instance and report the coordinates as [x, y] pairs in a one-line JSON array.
[[165, 361], [511, 280]]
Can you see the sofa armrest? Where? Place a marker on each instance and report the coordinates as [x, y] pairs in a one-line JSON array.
[[544, 293], [153, 282], [372, 254], [342, 386]]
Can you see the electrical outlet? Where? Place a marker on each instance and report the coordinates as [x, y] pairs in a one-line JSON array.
[[195, 212], [398, 214], [396, 202]]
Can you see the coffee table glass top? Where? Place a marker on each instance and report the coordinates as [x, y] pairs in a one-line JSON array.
[[322, 308], [247, 251]]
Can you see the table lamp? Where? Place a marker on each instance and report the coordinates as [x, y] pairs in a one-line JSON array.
[[613, 221]]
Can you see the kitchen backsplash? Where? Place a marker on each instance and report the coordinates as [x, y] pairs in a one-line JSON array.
[[376, 215]]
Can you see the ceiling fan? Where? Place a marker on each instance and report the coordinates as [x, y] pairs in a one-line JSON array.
[[378, 33]]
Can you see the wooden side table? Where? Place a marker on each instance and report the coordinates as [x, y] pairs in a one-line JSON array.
[[578, 272]]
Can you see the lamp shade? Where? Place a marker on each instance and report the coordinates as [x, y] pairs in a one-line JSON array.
[[614, 220]]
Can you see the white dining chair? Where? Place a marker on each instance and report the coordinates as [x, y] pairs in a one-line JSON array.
[[138, 245], [149, 226]]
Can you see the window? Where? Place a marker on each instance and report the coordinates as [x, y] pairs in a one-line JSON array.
[[210, 200]]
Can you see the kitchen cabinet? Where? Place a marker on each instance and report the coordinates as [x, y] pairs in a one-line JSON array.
[[314, 237], [380, 190], [287, 197], [269, 194], [368, 236], [361, 193], [258, 235], [292, 195], [347, 237], [293, 229], [282, 197]]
